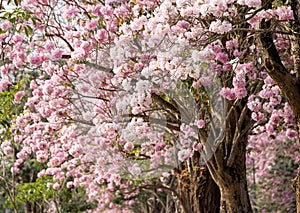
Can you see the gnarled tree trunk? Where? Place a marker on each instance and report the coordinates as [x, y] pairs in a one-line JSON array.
[[232, 182], [234, 192], [201, 193], [228, 163], [195, 193]]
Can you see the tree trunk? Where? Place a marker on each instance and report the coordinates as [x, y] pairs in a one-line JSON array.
[[197, 190], [233, 184], [202, 194], [228, 163], [235, 196]]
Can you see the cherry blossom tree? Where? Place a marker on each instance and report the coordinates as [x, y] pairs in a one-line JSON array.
[[152, 104]]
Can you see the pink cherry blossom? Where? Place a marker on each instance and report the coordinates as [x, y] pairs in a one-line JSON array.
[[128, 146], [228, 93], [184, 154], [6, 25], [220, 27], [4, 82], [57, 53], [200, 123], [253, 3], [56, 186], [18, 97]]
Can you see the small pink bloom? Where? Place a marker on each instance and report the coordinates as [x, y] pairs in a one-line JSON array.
[[17, 38], [92, 24], [41, 156], [69, 184], [21, 155], [4, 84], [228, 93], [253, 3], [49, 45], [6, 25], [101, 35], [236, 53], [57, 53], [18, 97], [238, 82], [138, 23], [183, 155], [7, 149], [131, 202], [5, 69], [220, 27], [284, 13], [240, 92], [15, 170], [200, 123], [227, 67], [56, 186], [41, 173], [79, 54], [254, 105], [257, 116], [231, 44], [128, 146], [291, 134], [35, 60], [223, 57], [197, 146], [70, 12]]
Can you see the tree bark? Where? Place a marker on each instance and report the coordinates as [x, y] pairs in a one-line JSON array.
[[209, 199], [196, 190], [233, 183], [228, 163], [235, 198], [234, 192], [201, 193], [197, 193]]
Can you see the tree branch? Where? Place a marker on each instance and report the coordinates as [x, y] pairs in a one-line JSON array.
[[295, 38], [289, 85]]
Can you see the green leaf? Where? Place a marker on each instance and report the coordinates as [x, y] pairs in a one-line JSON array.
[[28, 30], [19, 29], [6, 15], [33, 19], [13, 20]]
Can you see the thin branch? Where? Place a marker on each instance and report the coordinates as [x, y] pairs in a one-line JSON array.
[[61, 37], [99, 67], [237, 136], [166, 188]]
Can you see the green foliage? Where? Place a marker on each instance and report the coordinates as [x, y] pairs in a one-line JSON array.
[[8, 109], [73, 200], [36, 191], [69, 200], [15, 2], [19, 17], [8, 112]]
